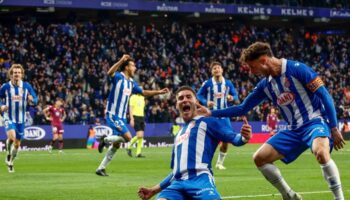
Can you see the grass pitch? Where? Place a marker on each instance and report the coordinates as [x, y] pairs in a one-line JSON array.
[[71, 175]]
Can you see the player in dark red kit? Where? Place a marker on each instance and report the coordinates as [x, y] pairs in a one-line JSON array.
[[272, 121], [56, 115]]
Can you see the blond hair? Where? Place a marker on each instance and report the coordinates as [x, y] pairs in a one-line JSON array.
[[15, 66]]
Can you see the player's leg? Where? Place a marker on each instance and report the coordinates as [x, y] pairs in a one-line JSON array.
[[268, 153], [11, 137], [60, 139], [101, 170], [139, 135], [321, 150], [119, 129], [54, 138], [222, 156], [132, 142]]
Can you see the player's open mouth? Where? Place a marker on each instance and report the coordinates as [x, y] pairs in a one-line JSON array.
[[186, 108]]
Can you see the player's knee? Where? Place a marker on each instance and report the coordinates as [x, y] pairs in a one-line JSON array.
[[322, 156], [259, 159], [223, 148]]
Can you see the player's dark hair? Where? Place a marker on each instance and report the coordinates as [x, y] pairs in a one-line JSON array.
[[126, 63], [186, 87], [254, 51]]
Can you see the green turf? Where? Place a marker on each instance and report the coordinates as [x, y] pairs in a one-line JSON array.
[[70, 176]]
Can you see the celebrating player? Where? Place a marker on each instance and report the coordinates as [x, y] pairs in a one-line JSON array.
[[304, 103], [56, 114], [193, 151], [215, 93], [16, 93], [122, 87]]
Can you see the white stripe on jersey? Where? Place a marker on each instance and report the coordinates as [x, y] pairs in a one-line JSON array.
[[124, 98], [200, 166], [116, 95], [222, 99], [184, 154], [306, 101]]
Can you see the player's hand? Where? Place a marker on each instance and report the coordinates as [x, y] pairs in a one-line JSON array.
[[229, 98], [30, 98], [202, 110], [164, 91], [338, 140], [146, 193], [210, 104], [125, 57], [3, 108], [246, 129]]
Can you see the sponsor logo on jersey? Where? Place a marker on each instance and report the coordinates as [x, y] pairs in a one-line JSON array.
[[127, 91], [219, 95], [34, 133], [285, 98]]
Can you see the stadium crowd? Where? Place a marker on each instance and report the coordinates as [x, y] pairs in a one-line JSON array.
[[71, 60]]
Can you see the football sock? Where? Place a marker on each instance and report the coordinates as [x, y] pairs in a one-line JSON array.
[[221, 158], [274, 176], [60, 144], [132, 141], [139, 146], [114, 138], [108, 157], [13, 154], [331, 175], [8, 146]]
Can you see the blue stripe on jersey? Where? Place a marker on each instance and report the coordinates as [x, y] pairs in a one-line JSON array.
[[9, 103]]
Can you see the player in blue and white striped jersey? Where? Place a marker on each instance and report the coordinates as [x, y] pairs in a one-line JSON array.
[[304, 103], [117, 104], [15, 93], [193, 151], [215, 93]]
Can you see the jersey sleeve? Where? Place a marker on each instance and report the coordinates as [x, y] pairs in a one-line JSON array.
[[136, 88], [32, 93], [233, 91], [2, 91], [202, 93], [253, 99], [306, 75]]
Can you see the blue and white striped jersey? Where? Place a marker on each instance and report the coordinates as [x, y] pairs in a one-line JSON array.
[[293, 92], [15, 98], [195, 145], [216, 92], [118, 99]]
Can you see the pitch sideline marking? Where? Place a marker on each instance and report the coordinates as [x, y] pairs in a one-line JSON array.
[[267, 195]]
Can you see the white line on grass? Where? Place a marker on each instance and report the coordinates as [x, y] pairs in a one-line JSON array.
[[270, 195]]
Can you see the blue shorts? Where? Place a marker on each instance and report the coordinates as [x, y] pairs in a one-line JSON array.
[[292, 143], [200, 187], [19, 128], [116, 124]]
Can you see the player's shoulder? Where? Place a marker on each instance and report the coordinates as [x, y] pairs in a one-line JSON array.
[[5, 85], [26, 84], [293, 65]]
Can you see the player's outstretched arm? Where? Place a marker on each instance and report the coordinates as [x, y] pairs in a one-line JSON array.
[[116, 65], [154, 92]]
